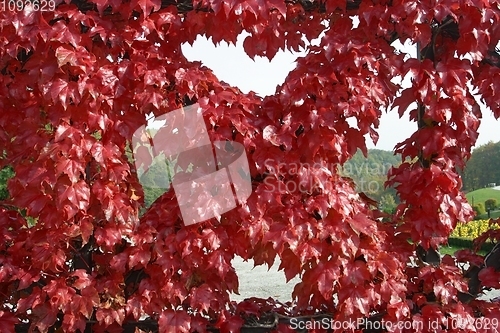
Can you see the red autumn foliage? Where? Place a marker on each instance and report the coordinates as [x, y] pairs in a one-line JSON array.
[[77, 81]]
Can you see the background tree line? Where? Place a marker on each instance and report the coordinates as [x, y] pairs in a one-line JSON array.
[[483, 167], [370, 175]]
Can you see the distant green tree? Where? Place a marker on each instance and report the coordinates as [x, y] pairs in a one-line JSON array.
[[481, 169], [155, 182], [490, 204], [387, 203], [370, 173], [479, 209]]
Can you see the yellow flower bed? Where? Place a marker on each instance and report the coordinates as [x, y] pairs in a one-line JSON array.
[[472, 229]]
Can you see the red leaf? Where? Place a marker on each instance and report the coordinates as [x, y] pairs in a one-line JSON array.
[[147, 6], [7, 321], [139, 257], [232, 324], [45, 316], [467, 255], [489, 277], [86, 228], [110, 316], [248, 307], [221, 261], [201, 298], [174, 322], [74, 323], [109, 235], [65, 55], [119, 262], [82, 279], [59, 90], [77, 194], [74, 169], [326, 276], [403, 102], [290, 264], [354, 300], [362, 224], [32, 199]]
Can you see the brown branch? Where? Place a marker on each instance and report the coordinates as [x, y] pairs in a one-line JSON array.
[[493, 58]]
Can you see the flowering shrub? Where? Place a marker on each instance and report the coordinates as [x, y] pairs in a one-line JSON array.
[[473, 229]]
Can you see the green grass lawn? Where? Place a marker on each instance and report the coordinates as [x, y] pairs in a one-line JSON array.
[[455, 244], [481, 195], [451, 249]]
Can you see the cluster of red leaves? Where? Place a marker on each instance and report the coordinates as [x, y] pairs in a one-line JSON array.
[[75, 83]]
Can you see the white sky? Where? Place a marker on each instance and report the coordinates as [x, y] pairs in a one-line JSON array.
[[231, 65]]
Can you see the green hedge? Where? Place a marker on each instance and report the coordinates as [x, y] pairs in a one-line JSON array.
[[468, 244]]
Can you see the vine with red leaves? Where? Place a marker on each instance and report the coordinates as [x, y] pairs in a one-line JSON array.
[[76, 82]]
